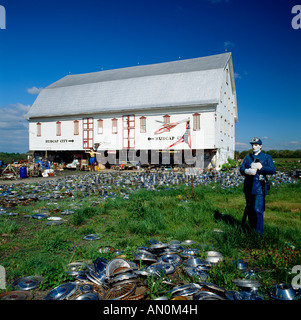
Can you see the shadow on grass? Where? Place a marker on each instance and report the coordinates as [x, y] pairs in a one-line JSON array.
[[228, 219], [239, 235]]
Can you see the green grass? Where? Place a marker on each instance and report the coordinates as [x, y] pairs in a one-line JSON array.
[[287, 164], [29, 247]]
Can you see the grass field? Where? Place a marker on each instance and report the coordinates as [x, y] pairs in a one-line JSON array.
[[287, 164], [210, 216]]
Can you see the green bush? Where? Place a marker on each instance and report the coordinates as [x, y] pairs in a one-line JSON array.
[[230, 164]]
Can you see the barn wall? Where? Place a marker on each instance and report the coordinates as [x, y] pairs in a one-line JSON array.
[[225, 120], [202, 139]]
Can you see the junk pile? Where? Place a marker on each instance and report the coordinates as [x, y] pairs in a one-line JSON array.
[[111, 184], [26, 169], [120, 279]]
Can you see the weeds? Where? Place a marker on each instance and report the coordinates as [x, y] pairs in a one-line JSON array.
[[223, 273], [7, 226], [157, 288], [54, 275], [81, 215], [55, 244], [276, 258]]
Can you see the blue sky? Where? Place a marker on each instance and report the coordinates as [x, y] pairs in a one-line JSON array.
[[46, 40]]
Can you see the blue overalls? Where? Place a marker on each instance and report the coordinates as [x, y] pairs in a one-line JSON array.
[[255, 188]]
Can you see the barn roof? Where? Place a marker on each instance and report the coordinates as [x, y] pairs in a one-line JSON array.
[[170, 84]]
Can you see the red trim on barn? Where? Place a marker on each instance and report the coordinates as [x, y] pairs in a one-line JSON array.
[[128, 131], [88, 133]]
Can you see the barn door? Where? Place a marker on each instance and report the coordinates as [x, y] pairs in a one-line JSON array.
[[88, 133], [128, 124]]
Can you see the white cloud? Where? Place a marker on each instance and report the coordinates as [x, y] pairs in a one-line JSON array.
[[237, 75], [264, 138], [34, 90], [14, 128], [4, 125], [14, 113], [228, 45], [242, 144], [289, 145]]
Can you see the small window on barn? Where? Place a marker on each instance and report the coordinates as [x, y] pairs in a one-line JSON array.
[[142, 124], [114, 126], [100, 126], [58, 128], [76, 127], [166, 119], [221, 125], [196, 122], [39, 129], [227, 76]]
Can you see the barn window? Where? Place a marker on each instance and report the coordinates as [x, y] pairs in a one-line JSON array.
[[166, 119], [58, 128], [221, 125], [227, 76], [76, 127], [114, 126], [39, 129], [142, 124], [196, 122], [100, 126], [225, 127]]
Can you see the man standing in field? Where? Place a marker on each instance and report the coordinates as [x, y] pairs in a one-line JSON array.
[[255, 167]]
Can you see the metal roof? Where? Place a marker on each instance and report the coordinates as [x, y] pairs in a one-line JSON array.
[[170, 84]]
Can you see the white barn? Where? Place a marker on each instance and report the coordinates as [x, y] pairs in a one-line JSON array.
[[141, 109]]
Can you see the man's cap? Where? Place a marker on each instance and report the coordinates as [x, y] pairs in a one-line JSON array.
[[256, 140]]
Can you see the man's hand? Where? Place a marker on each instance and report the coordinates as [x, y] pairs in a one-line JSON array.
[[250, 172], [256, 165]]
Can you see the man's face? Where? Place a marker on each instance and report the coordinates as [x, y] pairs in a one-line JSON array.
[[256, 147]]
